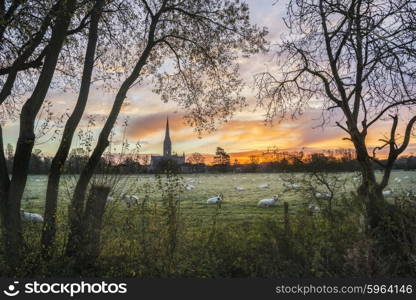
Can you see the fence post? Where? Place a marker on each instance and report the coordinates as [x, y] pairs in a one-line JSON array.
[[93, 215], [286, 217]]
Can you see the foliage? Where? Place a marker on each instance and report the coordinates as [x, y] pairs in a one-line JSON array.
[[221, 160], [196, 158], [167, 165]]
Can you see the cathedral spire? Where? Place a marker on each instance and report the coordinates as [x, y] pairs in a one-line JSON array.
[[167, 128], [167, 144]]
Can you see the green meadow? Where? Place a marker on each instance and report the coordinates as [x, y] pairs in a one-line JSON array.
[[195, 189], [172, 232]]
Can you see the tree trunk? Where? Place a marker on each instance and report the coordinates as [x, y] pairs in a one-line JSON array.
[[369, 191], [13, 235], [49, 229], [78, 199], [4, 187]]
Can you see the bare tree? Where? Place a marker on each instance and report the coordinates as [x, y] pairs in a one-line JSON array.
[[201, 40], [357, 58]]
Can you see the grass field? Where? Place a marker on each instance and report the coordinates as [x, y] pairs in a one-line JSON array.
[[237, 205], [176, 234]]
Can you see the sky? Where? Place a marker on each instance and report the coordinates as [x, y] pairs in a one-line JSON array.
[[246, 132]]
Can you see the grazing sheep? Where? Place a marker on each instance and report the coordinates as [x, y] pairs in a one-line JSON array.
[[397, 179], [110, 199], [388, 193], [240, 188], [314, 208], [263, 186], [215, 200], [189, 187], [31, 217], [268, 202], [322, 195], [292, 186], [191, 180], [129, 199]]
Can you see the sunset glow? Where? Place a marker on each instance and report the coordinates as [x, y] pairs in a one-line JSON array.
[[245, 133]]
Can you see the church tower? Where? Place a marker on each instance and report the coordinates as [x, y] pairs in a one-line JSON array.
[[167, 144]]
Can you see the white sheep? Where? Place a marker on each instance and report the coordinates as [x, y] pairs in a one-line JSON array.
[[322, 195], [388, 193], [31, 217], [397, 179], [263, 186], [189, 187], [292, 186], [129, 199], [239, 188], [314, 208], [191, 180], [215, 199], [268, 202], [110, 199]]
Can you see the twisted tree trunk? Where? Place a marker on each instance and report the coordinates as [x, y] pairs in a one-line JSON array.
[[49, 229], [370, 191], [11, 216]]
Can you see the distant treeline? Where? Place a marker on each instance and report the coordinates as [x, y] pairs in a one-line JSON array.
[[269, 161], [342, 160]]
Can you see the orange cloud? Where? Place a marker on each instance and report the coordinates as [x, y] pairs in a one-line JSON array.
[[241, 134], [143, 126]]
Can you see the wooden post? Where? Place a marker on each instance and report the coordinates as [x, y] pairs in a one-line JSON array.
[[93, 215]]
